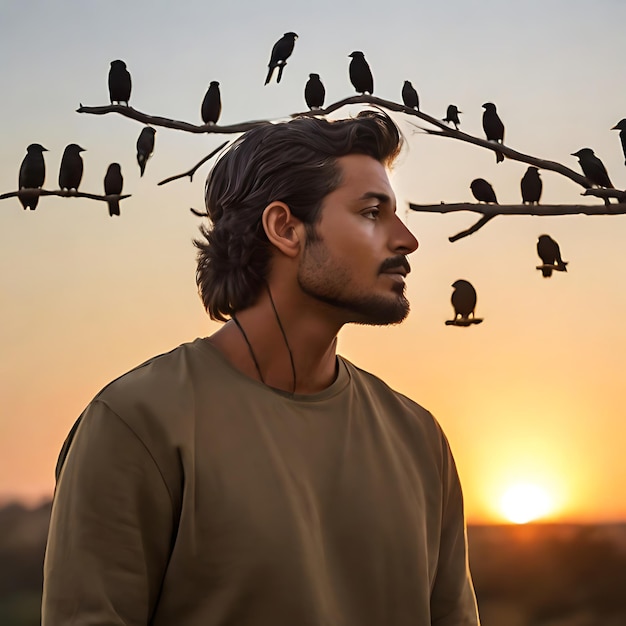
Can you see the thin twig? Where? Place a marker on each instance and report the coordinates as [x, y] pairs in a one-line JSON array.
[[477, 226], [32, 193], [193, 170]]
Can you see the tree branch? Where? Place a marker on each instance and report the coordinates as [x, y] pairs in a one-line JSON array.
[[166, 122], [491, 210], [443, 129], [522, 209], [193, 170], [31, 193]]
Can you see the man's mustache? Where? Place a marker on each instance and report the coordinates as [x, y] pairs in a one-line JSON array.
[[393, 263]]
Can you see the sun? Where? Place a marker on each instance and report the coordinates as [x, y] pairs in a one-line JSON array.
[[525, 502]]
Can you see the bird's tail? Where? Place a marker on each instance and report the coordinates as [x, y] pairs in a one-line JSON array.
[[499, 157], [269, 73], [28, 202], [280, 71], [142, 160], [546, 271], [562, 266], [114, 207]]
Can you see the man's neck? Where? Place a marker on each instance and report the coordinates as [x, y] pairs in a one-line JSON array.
[[309, 342]]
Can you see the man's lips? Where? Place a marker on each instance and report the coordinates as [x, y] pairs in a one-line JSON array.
[[396, 271]]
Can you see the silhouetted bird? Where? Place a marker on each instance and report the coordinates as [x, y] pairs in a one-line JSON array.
[[71, 170], [32, 174], [463, 299], [212, 104], [145, 147], [483, 191], [113, 183], [119, 82], [409, 96], [621, 126], [452, 116], [314, 92], [493, 127], [531, 186], [360, 73], [549, 252], [593, 168], [280, 53]]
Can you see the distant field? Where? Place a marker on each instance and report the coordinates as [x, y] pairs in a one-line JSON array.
[[532, 575]]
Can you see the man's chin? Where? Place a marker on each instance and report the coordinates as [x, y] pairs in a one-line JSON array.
[[381, 312]]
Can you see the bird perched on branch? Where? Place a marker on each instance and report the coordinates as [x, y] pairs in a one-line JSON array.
[[531, 186], [212, 104], [483, 191], [314, 92], [32, 174], [71, 170], [113, 183], [621, 126], [120, 83], [280, 53], [463, 299], [452, 116], [493, 127], [550, 253], [360, 73], [593, 168], [409, 96], [145, 147]]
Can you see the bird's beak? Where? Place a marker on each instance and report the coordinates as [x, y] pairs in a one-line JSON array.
[[614, 128], [460, 112]]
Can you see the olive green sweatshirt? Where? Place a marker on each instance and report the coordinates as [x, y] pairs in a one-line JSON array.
[[191, 495]]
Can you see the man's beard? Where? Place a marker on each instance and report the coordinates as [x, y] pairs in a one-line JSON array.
[[320, 277]]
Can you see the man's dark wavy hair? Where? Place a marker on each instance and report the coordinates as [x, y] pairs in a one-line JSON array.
[[293, 162]]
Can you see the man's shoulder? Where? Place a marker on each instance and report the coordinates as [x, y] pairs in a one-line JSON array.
[[411, 422], [380, 390], [164, 384]]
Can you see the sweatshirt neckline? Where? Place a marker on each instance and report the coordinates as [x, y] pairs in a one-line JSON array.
[[338, 385]]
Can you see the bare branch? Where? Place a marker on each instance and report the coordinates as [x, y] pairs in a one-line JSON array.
[[166, 122], [31, 193], [443, 129], [464, 321], [556, 268], [606, 194], [193, 170], [522, 209], [489, 211], [515, 155], [477, 226]]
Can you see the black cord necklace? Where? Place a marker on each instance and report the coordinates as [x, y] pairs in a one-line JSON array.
[[243, 333], [284, 334]]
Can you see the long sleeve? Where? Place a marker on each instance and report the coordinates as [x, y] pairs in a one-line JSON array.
[[453, 602], [111, 528]]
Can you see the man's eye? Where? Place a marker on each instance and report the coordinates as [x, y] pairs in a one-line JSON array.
[[371, 213]]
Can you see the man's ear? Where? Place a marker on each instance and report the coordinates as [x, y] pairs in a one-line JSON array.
[[284, 230]]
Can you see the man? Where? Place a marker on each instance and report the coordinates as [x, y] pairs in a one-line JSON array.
[[254, 478]]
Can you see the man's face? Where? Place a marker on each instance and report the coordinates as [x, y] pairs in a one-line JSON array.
[[357, 262]]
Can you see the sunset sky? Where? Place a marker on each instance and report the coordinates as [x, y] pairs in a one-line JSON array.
[[534, 394]]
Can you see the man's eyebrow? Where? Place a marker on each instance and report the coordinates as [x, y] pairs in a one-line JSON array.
[[369, 195]]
